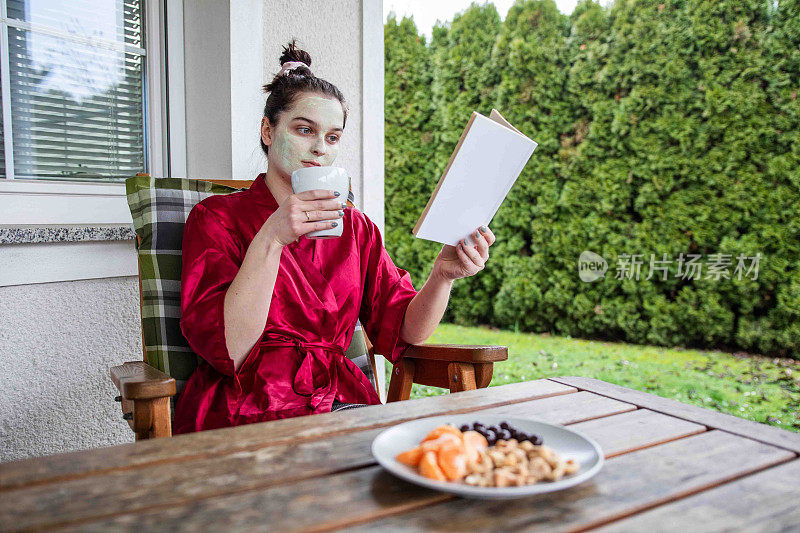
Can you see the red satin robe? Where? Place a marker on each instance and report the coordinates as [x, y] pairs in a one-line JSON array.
[[298, 365]]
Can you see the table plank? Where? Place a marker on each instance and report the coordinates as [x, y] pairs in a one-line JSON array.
[[766, 501], [739, 426], [207, 444], [636, 430], [176, 483], [378, 501], [662, 473], [571, 408]]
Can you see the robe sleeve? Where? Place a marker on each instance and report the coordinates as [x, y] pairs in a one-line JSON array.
[[211, 259], [387, 292]]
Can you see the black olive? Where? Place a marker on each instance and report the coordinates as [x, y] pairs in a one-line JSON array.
[[464, 428], [504, 425]]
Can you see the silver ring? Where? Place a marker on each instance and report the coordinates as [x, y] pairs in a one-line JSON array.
[[307, 217]]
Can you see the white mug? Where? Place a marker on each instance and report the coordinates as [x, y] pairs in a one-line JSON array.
[[329, 178]]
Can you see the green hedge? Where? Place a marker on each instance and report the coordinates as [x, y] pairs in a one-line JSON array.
[[663, 128]]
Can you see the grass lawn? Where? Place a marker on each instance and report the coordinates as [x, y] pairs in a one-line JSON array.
[[758, 388]]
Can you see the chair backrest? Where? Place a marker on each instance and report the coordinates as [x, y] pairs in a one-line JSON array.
[[159, 207]]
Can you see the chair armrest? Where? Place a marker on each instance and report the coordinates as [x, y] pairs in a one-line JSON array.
[[459, 367], [457, 353], [136, 380]]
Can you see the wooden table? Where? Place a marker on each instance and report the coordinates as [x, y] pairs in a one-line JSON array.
[[670, 466]]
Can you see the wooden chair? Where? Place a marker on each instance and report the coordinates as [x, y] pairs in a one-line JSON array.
[[145, 391]]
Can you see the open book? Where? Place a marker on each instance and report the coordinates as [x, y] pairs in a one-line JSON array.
[[486, 162]]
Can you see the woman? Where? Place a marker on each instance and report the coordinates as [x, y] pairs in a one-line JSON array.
[[269, 313]]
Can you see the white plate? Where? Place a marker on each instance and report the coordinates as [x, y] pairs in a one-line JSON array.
[[568, 443]]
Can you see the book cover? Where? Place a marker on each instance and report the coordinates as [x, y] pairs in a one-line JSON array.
[[487, 160]]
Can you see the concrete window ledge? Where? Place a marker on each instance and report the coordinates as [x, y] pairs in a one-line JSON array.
[[47, 254], [42, 234]]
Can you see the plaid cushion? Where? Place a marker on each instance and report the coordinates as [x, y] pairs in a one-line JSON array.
[[358, 353], [159, 207]]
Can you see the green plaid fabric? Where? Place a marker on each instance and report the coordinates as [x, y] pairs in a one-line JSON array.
[[358, 353], [159, 207]]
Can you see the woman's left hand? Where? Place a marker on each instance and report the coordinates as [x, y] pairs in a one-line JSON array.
[[466, 259]]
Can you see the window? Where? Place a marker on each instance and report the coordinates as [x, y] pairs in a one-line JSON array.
[[73, 90]]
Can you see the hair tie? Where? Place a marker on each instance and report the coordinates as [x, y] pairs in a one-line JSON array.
[[291, 65]]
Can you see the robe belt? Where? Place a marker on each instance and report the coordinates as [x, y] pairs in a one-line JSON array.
[[303, 383]]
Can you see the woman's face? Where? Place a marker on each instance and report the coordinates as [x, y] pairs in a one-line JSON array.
[[307, 134]]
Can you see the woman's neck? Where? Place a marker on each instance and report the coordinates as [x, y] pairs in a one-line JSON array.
[[280, 187]]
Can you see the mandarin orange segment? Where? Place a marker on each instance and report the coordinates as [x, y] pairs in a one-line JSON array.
[[453, 461], [435, 444], [473, 442], [410, 457], [442, 430], [475, 439], [428, 467]]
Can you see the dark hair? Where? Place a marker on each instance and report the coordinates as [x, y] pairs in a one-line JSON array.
[[285, 89]]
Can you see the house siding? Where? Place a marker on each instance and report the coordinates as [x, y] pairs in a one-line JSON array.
[[58, 340]]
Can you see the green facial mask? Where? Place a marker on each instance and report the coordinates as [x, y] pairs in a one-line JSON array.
[[296, 141]]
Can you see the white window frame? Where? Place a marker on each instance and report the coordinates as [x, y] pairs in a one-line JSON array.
[[26, 202]]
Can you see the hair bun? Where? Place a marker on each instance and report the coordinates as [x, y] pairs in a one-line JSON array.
[[292, 53], [301, 68], [294, 79]]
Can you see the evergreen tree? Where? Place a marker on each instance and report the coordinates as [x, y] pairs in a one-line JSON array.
[[408, 145], [772, 321], [460, 53], [664, 127], [530, 62]]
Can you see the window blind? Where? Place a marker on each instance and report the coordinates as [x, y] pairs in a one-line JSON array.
[[77, 88]]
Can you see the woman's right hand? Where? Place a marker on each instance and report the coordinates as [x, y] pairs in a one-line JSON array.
[[289, 222]]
